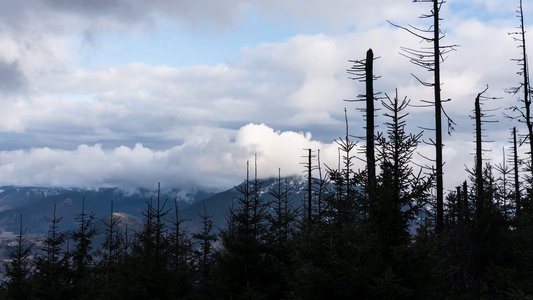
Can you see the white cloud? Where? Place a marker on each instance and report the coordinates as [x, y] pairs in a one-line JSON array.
[[215, 160]]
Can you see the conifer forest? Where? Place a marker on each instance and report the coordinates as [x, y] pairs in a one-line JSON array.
[[388, 231]]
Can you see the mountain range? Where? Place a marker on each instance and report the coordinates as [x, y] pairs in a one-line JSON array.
[[35, 204]]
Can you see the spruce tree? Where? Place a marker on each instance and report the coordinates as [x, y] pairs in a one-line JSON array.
[[149, 254], [111, 268], [82, 255], [51, 269], [245, 258], [204, 255], [180, 255], [205, 238], [17, 269], [401, 195], [326, 261]]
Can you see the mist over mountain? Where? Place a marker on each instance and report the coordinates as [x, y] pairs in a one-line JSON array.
[[37, 203]]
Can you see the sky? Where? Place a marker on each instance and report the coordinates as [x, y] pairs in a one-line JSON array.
[[120, 93]]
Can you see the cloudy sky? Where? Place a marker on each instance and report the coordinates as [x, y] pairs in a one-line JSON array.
[[131, 93]]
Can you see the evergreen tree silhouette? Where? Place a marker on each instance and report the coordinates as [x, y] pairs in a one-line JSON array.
[[52, 277], [17, 269]]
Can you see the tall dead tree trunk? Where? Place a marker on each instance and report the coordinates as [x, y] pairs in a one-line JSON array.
[[516, 178], [363, 71], [370, 157], [438, 121], [527, 88], [480, 117], [479, 159], [465, 211], [309, 189], [309, 170], [524, 112], [430, 58]]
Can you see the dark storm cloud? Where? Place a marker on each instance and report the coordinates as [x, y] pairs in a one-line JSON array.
[[96, 10], [121, 13], [128, 15], [95, 6], [12, 79]]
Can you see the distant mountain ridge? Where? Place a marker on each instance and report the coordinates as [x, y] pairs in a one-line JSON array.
[[219, 204], [36, 203]]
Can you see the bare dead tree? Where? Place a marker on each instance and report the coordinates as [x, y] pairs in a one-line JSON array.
[[309, 174], [464, 207], [523, 111], [316, 186], [463, 215], [362, 70], [430, 58], [480, 116], [310, 187], [320, 186], [518, 203]]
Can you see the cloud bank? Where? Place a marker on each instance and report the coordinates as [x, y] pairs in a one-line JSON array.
[[215, 162]]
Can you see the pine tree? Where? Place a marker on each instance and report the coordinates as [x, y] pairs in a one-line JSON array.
[[149, 254], [326, 261], [17, 270], [401, 195], [283, 217], [180, 255], [205, 238], [111, 268], [204, 257], [504, 190], [52, 275], [82, 255], [282, 223], [245, 259], [342, 207]]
